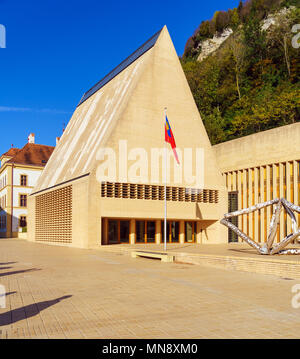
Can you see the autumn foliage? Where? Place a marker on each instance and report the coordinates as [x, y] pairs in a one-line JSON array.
[[252, 82]]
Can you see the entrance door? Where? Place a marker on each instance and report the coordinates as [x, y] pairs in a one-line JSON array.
[[140, 231], [124, 231], [150, 232], [145, 231], [190, 232], [113, 236], [172, 231]]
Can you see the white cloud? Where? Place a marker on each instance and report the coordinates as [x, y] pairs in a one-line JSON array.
[[27, 109]]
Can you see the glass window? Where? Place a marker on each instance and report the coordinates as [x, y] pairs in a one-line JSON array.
[[23, 221], [189, 232], [140, 231], [150, 232], [23, 200], [112, 232], [23, 180], [172, 231], [124, 231]]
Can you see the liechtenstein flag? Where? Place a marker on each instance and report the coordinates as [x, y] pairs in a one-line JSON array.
[[170, 138]]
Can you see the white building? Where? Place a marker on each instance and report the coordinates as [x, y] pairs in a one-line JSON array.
[[19, 172]]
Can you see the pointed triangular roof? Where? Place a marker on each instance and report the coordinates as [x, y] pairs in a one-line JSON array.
[[95, 115], [128, 104]]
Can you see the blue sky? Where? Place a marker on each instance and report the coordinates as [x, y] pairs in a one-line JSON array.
[[57, 50]]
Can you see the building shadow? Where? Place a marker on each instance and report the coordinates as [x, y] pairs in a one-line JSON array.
[[9, 293], [7, 263], [19, 271], [28, 311], [12, 220], [204, 224], [243, 250], [180, 247], [1, 268]]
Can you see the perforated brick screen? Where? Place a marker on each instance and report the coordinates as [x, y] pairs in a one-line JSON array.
[[54, 216]]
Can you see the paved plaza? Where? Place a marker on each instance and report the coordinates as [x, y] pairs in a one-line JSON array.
[[59, 292]]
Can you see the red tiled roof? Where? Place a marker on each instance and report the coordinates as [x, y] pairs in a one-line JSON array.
[[11, 152], [33, 154]]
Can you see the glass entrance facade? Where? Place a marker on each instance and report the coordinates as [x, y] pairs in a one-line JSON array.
[[118, 231], [115, 231], [150, 231], [190, 231], [145, 231], [140, 231], [112, 232], [124, 231], [172, 231]]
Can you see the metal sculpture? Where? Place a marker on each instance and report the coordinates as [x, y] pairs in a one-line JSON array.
[[268, 247]]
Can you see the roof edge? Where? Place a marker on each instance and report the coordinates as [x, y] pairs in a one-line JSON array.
[[122, 66]]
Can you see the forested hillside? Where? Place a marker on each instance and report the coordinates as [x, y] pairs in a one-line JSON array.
[[251, 82]]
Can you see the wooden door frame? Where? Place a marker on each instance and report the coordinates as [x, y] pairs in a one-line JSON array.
[[194, 231], [169, 224]]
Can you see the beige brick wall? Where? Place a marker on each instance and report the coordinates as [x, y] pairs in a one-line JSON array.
[[131, 107], [271, 162]]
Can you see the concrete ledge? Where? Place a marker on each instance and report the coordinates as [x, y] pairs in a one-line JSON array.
[[165, 257], [272, 266], [241, 258]]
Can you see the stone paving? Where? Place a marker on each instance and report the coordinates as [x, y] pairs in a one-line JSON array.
[[58, 292], [242, 250]]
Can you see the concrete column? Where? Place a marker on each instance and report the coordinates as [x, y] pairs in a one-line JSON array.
[[105, 231], [31, 226], [245, 200], [281, 194], [198, 233], [240, 204], [295, 171], [255, 214], [296, 199], [92, 216], [158, 231], [251, 229], [274, 181], [262, 211], [234, 188], [229, 181], [181, 232], [289, 171], [268, 196], [132, 234], [274, 169]]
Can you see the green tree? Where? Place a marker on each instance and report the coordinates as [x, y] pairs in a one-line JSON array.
[[251, 82], [234, 19], [214, 125], [254, 40]]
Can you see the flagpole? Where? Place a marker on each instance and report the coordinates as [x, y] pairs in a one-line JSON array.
[[165, 221]]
